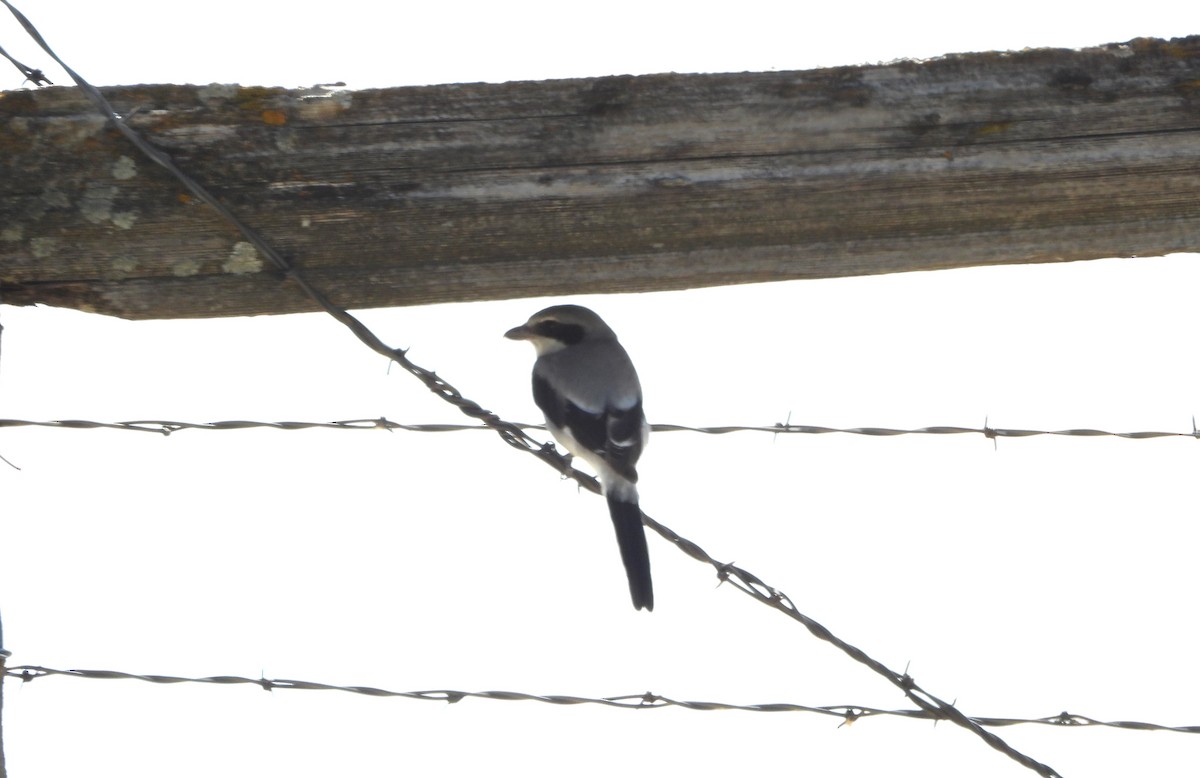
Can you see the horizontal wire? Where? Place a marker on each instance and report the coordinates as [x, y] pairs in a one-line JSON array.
[[847, 713], [168, 427]]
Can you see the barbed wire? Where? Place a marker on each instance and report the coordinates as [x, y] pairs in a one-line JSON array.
[[647, 700], [516, 437], [779, 428]]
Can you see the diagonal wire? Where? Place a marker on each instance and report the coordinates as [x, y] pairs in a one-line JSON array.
[[508, 432], [164, 427], [848, 713], [514, 436], [752, 585]]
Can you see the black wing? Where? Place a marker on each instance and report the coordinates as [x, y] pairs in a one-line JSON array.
[[614, 433], [623, 443]]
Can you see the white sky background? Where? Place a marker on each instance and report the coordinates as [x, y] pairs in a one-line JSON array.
[[1036, 576]]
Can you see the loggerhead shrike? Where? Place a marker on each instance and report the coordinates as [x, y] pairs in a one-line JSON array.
[[589, 392]]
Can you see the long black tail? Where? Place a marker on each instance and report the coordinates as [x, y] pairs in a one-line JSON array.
[[631, 537]]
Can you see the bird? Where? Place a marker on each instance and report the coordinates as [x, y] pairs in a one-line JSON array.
[[587, 388]]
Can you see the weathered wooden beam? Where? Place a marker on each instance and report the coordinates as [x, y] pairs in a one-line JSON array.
[[487, 191]]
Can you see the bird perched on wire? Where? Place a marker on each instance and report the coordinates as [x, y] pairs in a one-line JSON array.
[[586, 386]]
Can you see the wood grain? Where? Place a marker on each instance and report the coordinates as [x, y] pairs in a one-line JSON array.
[[465, 192]]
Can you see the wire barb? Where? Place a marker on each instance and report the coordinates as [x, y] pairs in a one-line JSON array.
[[32, 75]]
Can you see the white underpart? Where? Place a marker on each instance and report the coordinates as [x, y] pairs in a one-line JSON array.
[[613, 482]]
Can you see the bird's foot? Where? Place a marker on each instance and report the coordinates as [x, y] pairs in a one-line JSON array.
[[564, 460]]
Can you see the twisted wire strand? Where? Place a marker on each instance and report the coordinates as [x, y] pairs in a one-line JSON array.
[[168, 427], [514, 436], [647, 700]]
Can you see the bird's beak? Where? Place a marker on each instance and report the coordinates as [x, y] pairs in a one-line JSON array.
[[519, 333]]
